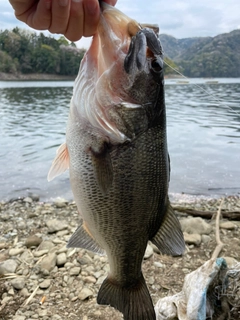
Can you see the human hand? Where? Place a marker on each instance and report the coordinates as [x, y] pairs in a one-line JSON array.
[[72, 18]]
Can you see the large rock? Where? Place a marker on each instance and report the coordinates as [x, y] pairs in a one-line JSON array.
[[55, 225], [8, 266], [195, 225]]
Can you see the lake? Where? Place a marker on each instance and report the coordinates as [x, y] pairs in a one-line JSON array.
[[203, 137]]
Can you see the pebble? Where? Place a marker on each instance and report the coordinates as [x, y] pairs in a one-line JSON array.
[[24, 292], [45, 284], [62, 233], [11, 292], [194, 238], [49, 262], [61, 259], [195, 226], [3, 245], [74, 271], [15, 251], [33, 241], [55, 225], [231, 262], [159, 264], [90, 279], [40, 253], [228, 225], [46, 245], [28, 200], [148, 252], [60, 202], [34, 196], [6, 299], [206, 239], [85, 293], [18, 317], [56, 317], [18, 283], [8, 266], [42, 312]]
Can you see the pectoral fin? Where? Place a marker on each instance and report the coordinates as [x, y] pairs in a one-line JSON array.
[[82, 239], [102, 165], [169, 238], [60, 163]]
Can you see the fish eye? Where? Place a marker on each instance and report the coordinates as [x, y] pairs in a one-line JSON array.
[[156, 65]]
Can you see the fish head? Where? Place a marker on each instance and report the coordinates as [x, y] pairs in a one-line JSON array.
[[123, 66]]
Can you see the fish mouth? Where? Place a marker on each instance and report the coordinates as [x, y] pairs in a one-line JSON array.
[[123, 37]]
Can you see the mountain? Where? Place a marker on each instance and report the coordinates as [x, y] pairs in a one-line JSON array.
[[205, 56]]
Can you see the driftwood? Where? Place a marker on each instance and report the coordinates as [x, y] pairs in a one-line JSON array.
[[231, 215]]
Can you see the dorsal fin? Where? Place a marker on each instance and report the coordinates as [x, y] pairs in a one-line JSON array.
[[60, 163]]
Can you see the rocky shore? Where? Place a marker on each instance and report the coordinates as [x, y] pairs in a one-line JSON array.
[[41, 279]]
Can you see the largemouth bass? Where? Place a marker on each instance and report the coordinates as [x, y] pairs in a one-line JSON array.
[[116, 151]]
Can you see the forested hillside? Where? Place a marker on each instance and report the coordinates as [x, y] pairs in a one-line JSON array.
[[205, 56], [26, 52]]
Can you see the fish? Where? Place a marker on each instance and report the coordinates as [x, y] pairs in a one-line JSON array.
[[117, 156]]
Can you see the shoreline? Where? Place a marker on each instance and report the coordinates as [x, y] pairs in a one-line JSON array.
[[51, 77], [35, 77]]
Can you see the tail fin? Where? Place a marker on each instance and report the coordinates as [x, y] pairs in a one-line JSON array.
[[133, 301]]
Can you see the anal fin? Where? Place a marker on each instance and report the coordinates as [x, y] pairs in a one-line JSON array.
[[82, 239], [133, 301], [169, 238]]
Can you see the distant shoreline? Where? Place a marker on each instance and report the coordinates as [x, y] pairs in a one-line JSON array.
[[51, 77], [34, 77]]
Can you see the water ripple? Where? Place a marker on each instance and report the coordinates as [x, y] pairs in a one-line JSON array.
[[203, 137]]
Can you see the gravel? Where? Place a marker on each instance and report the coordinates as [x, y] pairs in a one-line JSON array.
[[43, 279]]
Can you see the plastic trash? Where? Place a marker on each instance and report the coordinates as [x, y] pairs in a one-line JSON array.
[[201, 295]]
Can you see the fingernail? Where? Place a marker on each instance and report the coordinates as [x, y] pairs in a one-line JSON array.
[[63, 3], [76, 1]]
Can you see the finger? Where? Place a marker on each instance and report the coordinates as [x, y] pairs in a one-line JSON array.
[[60, 16], [37, 15], [40, 15], [76, 20], [22, 6], [91, 17], [111, 2]]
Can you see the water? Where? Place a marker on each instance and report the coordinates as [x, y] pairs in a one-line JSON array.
[[203, 137]]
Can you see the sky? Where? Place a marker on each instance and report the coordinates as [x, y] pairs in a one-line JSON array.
[[179, 18]]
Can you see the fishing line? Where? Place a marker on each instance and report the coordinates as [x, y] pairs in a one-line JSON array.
[[219, 101]]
